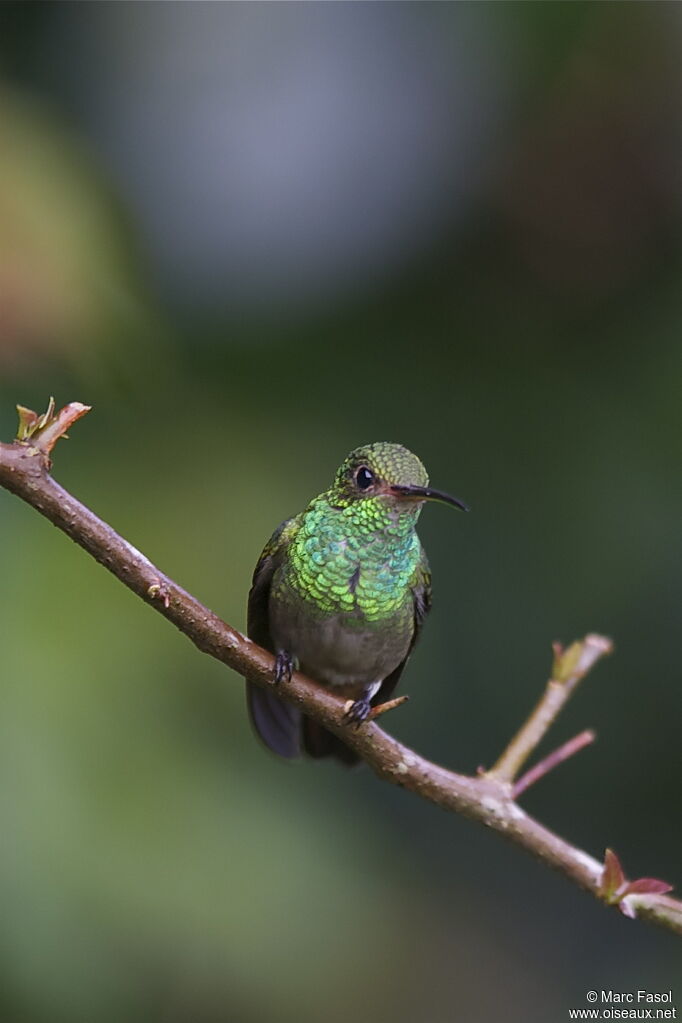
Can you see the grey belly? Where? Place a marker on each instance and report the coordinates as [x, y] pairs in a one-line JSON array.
[[337, 650]]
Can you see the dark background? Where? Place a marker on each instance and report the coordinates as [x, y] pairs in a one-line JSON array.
[[254, 236]]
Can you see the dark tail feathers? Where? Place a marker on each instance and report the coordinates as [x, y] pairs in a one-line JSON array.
[[287, 732]]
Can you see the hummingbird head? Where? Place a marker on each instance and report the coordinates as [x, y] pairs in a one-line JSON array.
[[389, 473]]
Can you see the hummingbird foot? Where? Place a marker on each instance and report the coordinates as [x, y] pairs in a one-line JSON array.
[[285, 665], [358, 711]]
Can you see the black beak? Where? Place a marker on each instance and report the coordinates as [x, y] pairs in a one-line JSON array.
[[427, 494]]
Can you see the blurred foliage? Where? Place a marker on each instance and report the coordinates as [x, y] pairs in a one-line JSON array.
[[156, 863], [66, 291]]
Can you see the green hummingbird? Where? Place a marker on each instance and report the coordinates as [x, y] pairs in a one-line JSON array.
[[341, 591]]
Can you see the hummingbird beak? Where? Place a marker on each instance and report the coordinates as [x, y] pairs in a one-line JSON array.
[[426, 494]]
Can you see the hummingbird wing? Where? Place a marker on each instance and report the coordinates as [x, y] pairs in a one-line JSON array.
[[421, 594], [277, 723]]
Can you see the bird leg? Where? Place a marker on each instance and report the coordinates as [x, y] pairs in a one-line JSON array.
[[285, 665], [360, 709]]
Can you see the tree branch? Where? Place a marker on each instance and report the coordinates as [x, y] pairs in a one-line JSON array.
[[566, 750], [570, 666], [488, 798]]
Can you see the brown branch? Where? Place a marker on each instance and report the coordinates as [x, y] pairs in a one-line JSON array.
[[44, 431], [570, 666], [24, 470], [566, 750], [383, 708]]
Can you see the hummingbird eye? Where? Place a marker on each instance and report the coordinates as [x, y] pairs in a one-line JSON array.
[[364, 477]]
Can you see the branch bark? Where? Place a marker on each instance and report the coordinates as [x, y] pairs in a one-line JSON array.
[[566, 750], [570, 666], [488, 798]]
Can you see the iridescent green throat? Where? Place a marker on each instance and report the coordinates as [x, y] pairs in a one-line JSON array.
[[358, 559]]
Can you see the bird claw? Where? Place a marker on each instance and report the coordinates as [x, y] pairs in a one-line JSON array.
[[284, 667], [358, 712]]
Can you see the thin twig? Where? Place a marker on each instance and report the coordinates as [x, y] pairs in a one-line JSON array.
[[43, 432], [56, 429], [568, 749], [570, 666], [383, 708], [487, 798]]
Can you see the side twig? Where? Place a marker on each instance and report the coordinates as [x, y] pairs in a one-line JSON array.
[[488, 799], [570, 666], [383, 708], [568, 749]]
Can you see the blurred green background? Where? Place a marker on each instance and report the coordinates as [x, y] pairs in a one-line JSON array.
[[254, 236]]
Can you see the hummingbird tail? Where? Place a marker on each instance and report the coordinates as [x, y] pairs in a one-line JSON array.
[[286, 731], [318, 742], [277, 723]]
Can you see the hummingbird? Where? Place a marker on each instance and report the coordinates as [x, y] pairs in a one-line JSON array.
[[341, 591]]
